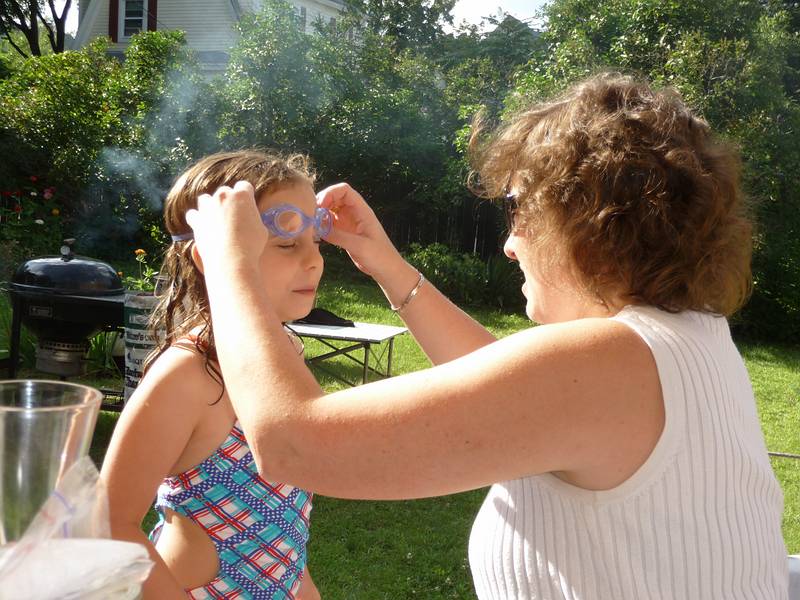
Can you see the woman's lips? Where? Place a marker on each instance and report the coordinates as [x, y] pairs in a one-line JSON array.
[[308, 291]]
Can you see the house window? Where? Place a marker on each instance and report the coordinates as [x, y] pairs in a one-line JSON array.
[[300, 13], [133, 17]]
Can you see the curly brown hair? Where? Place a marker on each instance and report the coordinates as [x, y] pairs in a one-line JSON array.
[[631, 188], [184, 305]]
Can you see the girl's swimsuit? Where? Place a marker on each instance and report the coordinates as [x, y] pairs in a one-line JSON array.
[[259, 528]]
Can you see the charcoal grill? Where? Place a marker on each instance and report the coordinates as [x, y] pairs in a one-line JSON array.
[[63, 300]]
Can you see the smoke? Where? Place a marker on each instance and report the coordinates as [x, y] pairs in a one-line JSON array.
[[126, 198], [141, 176]]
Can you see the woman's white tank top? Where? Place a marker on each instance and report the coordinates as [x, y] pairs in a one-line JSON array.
[[699, 520]]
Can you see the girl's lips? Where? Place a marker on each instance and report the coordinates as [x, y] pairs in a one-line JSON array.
[[306, 291]]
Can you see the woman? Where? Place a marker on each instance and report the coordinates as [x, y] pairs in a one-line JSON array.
[[620, 437]]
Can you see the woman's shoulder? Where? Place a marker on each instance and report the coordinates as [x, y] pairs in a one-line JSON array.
[[598, 358], [609, 338]]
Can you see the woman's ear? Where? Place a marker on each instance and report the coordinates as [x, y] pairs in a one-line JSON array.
[[197, 259]]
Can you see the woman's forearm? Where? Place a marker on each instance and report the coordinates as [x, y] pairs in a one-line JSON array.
[[443, 331], [245, 325]]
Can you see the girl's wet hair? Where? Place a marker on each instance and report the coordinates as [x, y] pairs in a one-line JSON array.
[[183, 305], [629, 188]]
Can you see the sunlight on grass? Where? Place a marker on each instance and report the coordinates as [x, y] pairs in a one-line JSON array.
[[775, 373]]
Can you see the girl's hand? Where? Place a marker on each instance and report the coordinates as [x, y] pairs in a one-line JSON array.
[[357, 230], [227, 227]]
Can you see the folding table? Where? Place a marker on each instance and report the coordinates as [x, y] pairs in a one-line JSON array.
[[344, 341]]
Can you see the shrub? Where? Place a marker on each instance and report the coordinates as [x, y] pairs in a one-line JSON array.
[[466, 279], [30, 220]]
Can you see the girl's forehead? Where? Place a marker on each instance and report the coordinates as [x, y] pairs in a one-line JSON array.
[[299, 194]]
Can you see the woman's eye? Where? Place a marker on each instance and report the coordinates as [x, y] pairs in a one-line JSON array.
[[287, 246]]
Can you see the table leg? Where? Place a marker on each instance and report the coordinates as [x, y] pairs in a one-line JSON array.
[[366, 363], [389, 358]]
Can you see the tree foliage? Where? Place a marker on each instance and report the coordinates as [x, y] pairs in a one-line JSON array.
[[417, 24], [101, 130], [384, 99]]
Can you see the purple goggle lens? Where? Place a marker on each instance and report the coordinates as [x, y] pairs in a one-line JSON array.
[[287, 221]]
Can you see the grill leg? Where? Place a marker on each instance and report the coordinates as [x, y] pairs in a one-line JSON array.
[[16, 323]]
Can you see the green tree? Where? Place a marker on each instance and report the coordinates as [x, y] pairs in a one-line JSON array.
[[410, 24], [382, 122], [167, 118], [366, 110], [28, 17], [109, 135], [270, 91], [56, 113]]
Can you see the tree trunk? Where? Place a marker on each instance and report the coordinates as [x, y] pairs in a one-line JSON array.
[[32, 33]]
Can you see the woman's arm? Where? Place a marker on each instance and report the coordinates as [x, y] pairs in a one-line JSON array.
[[582, 398], [442, 330], [150, 435]]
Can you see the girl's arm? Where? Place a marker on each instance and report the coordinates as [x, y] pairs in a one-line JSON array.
[[442, 330], [582, 398], [150, 435]]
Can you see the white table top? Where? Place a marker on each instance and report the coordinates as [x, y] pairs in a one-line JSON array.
[[360, 332]]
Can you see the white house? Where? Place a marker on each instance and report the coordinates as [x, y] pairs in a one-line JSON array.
[[209, 24]]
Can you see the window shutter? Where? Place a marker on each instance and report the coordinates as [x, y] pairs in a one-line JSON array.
[[113, 20], [152, 15]]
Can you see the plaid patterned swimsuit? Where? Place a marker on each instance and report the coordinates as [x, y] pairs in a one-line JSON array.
[[259, 528]]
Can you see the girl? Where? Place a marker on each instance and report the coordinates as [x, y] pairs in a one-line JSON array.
[[224, 532]]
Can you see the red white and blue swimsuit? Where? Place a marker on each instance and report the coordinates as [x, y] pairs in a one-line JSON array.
[[259, 528]]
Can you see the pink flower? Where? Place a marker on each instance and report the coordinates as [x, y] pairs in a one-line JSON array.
[[48, 193]]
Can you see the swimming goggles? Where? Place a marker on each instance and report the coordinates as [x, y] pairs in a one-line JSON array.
[[287, 221]]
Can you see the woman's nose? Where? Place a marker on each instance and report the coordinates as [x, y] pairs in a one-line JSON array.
[[508, 247]]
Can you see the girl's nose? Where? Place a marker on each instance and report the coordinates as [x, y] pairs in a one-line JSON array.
[[313, 258]]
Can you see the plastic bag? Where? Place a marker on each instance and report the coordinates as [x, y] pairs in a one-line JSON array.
[[65, 553]]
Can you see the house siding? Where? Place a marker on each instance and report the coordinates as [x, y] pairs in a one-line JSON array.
[[210, 25]]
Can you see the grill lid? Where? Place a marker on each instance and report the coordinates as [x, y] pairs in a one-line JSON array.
[[68, 274]]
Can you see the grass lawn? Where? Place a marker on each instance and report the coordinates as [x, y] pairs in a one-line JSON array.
[[418, 549]]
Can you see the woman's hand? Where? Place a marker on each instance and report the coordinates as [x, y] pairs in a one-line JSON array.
[[227, 227], [357, 230]]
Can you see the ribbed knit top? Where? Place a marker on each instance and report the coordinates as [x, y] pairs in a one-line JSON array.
[[699, 520]]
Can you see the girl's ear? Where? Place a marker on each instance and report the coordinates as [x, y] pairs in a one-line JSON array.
[[197, 259]]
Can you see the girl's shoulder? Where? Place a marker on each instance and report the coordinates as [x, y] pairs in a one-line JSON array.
[[180, 376]]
